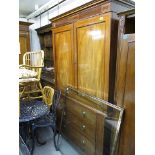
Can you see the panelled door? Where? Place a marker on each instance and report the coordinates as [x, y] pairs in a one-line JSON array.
[[24, 45], [63, 53], [92, 41]]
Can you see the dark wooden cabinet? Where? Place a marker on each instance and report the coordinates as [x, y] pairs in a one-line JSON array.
[[85, 47], [24, 39], [84, 126], [45, 37], [90, 124], [125, 81]]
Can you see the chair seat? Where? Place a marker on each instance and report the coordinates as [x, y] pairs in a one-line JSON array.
[[28, 80], [48, 120], [27, 73]]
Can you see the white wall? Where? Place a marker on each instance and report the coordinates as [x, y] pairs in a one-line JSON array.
[[44, 19], [34, 39], [23, 19]]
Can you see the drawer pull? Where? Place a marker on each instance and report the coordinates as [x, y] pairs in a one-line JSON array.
[[83, 142], [64, 113], [83, 127], [83, 113]]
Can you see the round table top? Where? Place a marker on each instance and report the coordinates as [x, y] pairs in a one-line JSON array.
[[30, 110]]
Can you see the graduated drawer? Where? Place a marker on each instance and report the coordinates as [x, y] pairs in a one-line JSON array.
[[82, 113], [78, 139], [84, 128]]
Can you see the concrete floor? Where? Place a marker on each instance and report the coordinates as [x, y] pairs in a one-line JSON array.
[[49, 149]]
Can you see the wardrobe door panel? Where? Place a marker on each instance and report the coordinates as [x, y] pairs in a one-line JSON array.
[[63, 49], [91, 42], [24, 45], [24, 39]]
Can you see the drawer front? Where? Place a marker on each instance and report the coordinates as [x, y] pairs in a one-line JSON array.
[[84, 128], [78, 139], [82, 113]]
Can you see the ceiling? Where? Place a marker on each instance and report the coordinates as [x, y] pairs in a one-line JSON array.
[[26, 7]]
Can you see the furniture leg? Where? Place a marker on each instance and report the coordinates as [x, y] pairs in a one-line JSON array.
[[55, 143], [33, 141], [37, 138]]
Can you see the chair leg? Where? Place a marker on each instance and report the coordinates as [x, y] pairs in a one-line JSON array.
[[55, 142], [21, 93], [38, 141], [33, 141], [57, 139], [40, 87]]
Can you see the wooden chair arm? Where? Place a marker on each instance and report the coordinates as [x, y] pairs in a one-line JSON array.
[[27, 66]]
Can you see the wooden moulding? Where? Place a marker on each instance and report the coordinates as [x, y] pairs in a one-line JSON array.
[[24, 26], [44, 29], [127, 13], [90, 9]]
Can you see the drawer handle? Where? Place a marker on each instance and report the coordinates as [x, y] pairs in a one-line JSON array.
[[83, 113], [64, 113], [83, 142], [83, 127]]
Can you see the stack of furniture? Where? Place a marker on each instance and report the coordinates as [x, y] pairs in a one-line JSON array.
[[24, 39], [85, 52], [45, 37]]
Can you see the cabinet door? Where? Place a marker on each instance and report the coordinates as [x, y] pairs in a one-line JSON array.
[[24, 45], [63, 53], [47, 40], [92, 41]]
